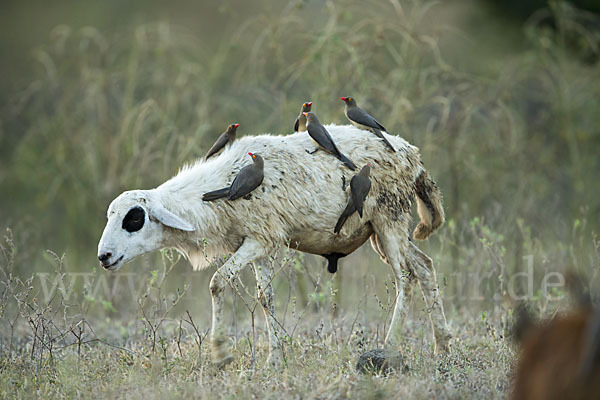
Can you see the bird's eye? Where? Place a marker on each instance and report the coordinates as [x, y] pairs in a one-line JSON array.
[[134, 220], [349, 98]]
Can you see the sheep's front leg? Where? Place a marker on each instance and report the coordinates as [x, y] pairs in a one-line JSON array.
[[265, 296], [249, 250]]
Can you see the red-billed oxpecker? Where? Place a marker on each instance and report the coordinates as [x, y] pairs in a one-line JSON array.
[[300, 124], [226, 138], [249, 178], [323, 139], [362, 120], [360, 185]]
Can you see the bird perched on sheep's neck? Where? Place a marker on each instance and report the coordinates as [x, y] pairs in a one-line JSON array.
[[224, 139], [361, 119], [249, 178], [360, 185], [300, 123], [323, 139]]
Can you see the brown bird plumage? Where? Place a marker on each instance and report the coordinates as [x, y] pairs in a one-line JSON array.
[[300, 123], [319, 134], [361, 119], [226, 138], [249, 178], [360, 185]]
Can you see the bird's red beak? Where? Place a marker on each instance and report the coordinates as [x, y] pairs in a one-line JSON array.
[[236, 125], [251, 155], [310, 103], [343, 98]]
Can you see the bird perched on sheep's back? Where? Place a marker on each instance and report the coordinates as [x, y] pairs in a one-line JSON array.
[[249, 178], [361, 119], [226, 138], [323, 139], [360, 185], [300, 124]]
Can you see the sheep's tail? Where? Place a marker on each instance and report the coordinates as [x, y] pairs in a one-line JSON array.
[[346, 161], [216, 194], [429, 206]]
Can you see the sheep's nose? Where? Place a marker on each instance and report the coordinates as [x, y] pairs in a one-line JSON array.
[[104, 257]]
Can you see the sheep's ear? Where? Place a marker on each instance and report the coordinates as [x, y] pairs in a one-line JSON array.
[[167, 218]]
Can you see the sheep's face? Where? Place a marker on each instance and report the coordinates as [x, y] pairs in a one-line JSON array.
[[136, 225]]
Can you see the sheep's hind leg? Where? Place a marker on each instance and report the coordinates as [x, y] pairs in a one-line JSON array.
[[249, 250], [265, 296], [422, 266], [407, 280], [392, 248]]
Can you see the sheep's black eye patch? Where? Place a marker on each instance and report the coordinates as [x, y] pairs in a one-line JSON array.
[[134, 220]]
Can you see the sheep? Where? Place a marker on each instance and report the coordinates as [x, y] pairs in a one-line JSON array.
[[560, 359], [298, 204]]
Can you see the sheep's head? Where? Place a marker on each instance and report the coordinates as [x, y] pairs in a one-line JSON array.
[[136, 225]]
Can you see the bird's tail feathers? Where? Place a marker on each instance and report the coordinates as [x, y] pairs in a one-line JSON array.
[[216, 194], [387, 142], [342, 220], [347, 161]]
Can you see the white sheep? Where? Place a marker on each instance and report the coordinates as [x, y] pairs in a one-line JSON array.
[[299, 202]]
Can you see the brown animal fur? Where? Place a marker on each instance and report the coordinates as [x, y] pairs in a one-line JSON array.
[[559, 359]]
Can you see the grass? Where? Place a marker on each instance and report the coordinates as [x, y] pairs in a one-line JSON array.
[[317, 367], [507, 124]]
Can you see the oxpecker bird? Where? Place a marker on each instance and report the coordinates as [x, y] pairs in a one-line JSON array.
[[361, 119], [249, 178], [360, 185], [319, 134], [226, 138], [300, 124]]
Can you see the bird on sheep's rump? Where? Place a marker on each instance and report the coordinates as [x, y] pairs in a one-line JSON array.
[[323, 139], [363, 120]]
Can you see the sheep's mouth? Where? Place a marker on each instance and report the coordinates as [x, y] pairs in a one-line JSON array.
[[111, 266]]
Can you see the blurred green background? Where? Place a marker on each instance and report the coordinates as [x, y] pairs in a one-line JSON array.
[[502, 97]]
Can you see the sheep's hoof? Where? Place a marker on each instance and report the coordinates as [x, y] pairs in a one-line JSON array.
[[381, 361]]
